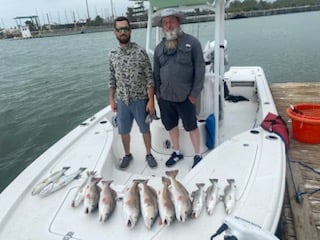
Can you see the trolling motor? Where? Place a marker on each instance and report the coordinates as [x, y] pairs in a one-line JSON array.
[[237, 228]]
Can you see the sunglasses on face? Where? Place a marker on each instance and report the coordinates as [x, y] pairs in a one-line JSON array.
[[122, 29]]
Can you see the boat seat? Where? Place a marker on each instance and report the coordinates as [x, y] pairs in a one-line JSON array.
[[161, 142]]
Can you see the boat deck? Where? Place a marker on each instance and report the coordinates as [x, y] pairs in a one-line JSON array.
[[300, 220]]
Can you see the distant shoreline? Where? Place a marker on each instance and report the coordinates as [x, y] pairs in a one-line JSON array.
[[189, 19], [243, 14]]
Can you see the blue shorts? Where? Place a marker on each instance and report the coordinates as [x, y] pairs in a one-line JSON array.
[[126, 113], [171, 111]]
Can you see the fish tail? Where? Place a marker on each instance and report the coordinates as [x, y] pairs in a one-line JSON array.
[[166, 180], [107, 182], [200, 185], [172, 173], [140, 180], [96, 179], [213, 180], [91, 173], [231, 180]]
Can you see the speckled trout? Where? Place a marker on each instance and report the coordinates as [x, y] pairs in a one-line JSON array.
[[212, 196], [52, 178], [61, 182], [79, 195], [230, 196], [197, 200]]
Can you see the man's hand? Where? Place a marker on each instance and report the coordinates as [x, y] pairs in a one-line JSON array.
[[192, 99], [150, 107], [113, 105]]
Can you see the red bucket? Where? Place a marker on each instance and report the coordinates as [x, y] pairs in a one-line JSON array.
[[305, 122]]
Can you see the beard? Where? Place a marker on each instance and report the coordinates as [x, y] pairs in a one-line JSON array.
[[171, 38], [173, 34], [124, 39]]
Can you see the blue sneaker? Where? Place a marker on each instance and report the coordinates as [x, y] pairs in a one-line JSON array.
[[174, 159], [196, 160]]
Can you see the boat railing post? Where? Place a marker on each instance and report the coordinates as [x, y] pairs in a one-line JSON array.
[[149, 29], [218, 55]]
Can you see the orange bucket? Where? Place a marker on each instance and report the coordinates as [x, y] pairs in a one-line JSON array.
[[305, 122]]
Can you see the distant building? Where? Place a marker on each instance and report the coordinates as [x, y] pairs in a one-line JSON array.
[[30, 24], [137, 13]]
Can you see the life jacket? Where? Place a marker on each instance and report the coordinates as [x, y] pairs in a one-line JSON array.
[[274, 123]]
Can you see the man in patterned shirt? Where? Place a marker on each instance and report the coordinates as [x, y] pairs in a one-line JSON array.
[[131, 89]]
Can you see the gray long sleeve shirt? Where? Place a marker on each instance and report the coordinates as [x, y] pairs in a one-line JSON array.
[[181, 74]]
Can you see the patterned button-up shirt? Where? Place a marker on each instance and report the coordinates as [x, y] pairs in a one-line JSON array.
[[130, 73]]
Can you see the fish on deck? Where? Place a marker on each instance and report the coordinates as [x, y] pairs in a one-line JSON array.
[[91, 194], [52, 178], [148, 203], [107, 202], [79, 195], [212, 196], [198, 197], [131, 205], [180, 195], [230, 196], [61, 182], [166, 207]]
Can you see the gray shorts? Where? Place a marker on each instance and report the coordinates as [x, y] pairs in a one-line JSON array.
[[126, 113]]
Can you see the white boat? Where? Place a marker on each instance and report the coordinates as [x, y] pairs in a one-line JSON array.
[[243, 151]]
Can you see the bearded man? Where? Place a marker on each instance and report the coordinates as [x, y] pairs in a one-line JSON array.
[[179, 70], [131, 89]]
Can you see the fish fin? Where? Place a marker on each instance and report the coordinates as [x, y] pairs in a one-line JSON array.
[[114, 194]]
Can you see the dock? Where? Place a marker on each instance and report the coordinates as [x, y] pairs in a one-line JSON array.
[[300, 218]]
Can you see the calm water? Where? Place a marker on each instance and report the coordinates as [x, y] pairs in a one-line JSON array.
[[49, 85]]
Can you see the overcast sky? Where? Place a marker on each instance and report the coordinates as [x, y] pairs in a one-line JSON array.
[[59, 11]]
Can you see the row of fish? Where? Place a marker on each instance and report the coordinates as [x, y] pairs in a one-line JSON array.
[[171, 202], [55, 182]]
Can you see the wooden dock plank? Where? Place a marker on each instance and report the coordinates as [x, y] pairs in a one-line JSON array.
[[305, 227], [300, 220]]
